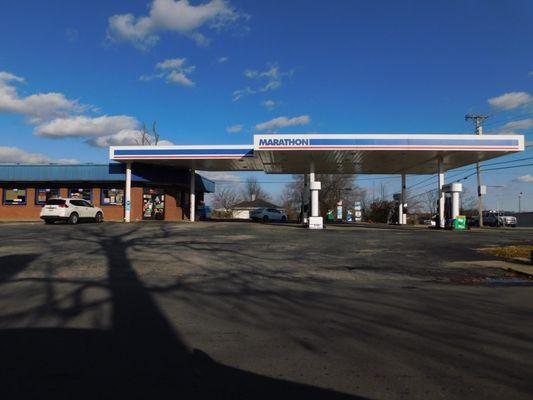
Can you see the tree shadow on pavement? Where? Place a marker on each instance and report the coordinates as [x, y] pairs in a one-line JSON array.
[[12, 264], [141, 356]]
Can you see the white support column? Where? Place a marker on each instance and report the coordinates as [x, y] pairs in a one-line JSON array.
[[314, 191], [403, 202], [441, 193], [315, 221], [127, 205], [305, 216], [192, 200], [455, 204]]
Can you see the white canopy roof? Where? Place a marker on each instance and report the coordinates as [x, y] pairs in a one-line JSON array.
[[331, 153]]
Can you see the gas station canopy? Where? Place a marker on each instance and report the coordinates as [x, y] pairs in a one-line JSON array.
[[331, 153]]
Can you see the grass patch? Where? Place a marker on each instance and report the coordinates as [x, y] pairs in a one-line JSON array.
[[510, 251]]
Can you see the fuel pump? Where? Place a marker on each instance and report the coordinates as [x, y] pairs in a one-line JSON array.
[[452, 205], [399, 214]]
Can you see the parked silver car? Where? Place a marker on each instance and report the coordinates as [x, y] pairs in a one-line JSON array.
[[268, 214]]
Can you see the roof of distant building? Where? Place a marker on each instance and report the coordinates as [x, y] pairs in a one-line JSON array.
[[112, 172]]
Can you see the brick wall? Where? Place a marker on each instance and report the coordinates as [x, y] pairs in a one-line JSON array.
[[30, 211], [24, 212]]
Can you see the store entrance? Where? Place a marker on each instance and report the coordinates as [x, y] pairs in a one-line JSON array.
[[153, 204]]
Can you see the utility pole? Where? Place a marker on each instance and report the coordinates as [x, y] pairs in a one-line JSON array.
[[478, 121], [520, 202]]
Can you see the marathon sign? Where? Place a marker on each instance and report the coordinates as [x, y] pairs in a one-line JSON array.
[[283, 142]]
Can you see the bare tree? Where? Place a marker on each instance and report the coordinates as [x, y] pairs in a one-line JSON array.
[[335, 187], [430, 201], [414, 203], [468, 199], [147, 139], [143, 140], [155, 134], [225, 198], [252, 188], [468, 202], [291, 199]]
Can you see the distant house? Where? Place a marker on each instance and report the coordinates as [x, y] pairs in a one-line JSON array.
[[242, 209]]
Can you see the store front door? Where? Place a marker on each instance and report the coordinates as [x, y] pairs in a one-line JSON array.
[[153, 204]]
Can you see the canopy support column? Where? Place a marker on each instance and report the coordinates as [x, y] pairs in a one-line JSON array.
[[127, 209], [456, 203], [440, 171], [192, 201], [315, 221], [402, 217], [305, 201]]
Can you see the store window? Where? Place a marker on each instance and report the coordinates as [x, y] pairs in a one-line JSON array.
[[14, 196], [112, 197], [85, 194], [42, 195]]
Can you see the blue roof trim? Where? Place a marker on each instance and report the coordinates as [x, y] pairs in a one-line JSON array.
[[333, 143], [413, 142], [113, 172], [171, 152]]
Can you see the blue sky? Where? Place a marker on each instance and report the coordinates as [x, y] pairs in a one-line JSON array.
[[79, 75]]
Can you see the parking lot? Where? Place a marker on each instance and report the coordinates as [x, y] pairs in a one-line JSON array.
[[247, 311]]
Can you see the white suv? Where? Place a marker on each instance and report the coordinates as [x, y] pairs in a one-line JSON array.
[[268, 214], [71, 210]]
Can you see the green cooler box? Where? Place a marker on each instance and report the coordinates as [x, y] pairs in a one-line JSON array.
[[459, 222]]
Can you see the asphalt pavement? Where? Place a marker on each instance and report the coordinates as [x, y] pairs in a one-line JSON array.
[[224, 310]]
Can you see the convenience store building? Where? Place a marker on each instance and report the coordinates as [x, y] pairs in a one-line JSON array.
[[157, 192]]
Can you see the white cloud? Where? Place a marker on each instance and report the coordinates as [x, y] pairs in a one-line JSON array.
[[171, 63], [179, 78], [6, 76], [83, 126], [125, 137], [222, 60], [36, 107], [269, 79], [523, 124], [234, 128], [283, 122], [270, 104], [57, 117], [148, 78], [217, 176], [525, 178], [14, 155], [172, 15], [174, 70], [240, 93], [509, 101]]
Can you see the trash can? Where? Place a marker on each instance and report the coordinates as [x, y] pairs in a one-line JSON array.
[[459, 223]]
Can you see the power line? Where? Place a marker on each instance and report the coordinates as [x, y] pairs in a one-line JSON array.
[[500, 168], [390, 177], [508, 161], [468, 176], [508, 118]]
